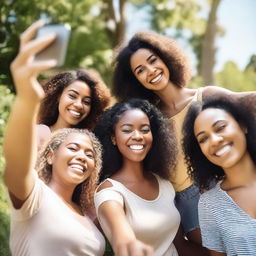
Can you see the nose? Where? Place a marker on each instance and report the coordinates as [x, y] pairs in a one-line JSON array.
[[80, 156], [78, 104], [151, 69], [216, 139], [137, 135]]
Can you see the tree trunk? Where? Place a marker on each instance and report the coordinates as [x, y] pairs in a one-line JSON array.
[[208, 46], [115, 22]]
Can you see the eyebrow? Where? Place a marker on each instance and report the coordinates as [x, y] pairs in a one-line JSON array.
[[214, 124], [148, 58], [76, 92], [78, 145], [130, 125]]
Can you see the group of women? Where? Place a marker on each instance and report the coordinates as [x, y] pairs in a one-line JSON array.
[[166, 171]]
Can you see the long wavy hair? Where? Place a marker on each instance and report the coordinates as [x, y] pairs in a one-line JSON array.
[[161, 158], [100, 97], [201, 170], [126, 85], [83, 193]]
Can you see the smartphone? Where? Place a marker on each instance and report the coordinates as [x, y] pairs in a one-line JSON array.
[[58, 48]]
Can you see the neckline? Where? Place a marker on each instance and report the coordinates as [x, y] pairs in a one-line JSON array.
[[195, 96], [141, 198], [234, 203]]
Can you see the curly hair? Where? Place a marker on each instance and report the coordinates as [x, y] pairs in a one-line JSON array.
[[162, 155], [48, 113], [201, 170], [83, 193], [126, 85]]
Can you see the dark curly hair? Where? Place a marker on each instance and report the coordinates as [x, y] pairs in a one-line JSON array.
[[83, 193], [49, 112], [162, 155], [201, 170], [126, 85]]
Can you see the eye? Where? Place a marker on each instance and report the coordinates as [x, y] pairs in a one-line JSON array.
[[87, 102], [145, 130], [126, 130], [152, 60], [202, 139], [72, 96], [220, 128], [72, 148], [89, 155], [139, 71]]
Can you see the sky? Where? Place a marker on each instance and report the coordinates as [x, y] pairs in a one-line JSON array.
[[237, 17]]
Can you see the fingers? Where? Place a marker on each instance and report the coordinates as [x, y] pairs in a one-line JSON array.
[[30, 32]]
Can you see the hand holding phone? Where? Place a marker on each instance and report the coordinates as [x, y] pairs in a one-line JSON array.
[[58, 48]]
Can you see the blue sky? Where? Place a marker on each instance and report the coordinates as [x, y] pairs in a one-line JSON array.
[[237, 17]]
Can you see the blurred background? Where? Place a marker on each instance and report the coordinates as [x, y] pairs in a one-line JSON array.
[[218, 35]]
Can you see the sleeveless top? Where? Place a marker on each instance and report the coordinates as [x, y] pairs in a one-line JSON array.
[[154, 222], [180, 178]]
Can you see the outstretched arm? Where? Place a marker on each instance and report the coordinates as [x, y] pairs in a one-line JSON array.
[[246, 99], [20, 141], [122, 238]]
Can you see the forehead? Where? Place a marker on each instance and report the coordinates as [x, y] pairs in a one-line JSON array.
[[78, 138], [140, 54], [210, 116], [79, 86], [133, 116]]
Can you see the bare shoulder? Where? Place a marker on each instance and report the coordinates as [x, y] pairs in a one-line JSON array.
[[43, 130], [105, 184]]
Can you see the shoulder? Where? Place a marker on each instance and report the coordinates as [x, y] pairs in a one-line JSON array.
[[212, 90], [43, 130], [105, 184], [210, 197]]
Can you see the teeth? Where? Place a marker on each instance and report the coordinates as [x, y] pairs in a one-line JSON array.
[[75, 113], [223, 150], [156, 79], [77, 166], [136, 147]]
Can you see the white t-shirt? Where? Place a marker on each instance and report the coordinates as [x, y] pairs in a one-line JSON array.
[[45, 226], [154, 222]]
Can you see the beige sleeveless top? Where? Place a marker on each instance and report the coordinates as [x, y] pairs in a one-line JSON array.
[[180, 178]]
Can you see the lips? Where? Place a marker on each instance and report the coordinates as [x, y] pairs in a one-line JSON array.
[[78, 167], [136, 147], [156, 79], [75, 113], [224, 149]]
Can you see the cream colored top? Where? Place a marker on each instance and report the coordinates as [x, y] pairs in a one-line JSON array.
[[180, 178], [45, 226], [154, 222]]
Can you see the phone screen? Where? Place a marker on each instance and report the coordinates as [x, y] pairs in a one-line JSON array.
[[58, 48]]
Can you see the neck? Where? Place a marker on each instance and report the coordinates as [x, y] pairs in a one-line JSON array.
[[64, 191], [174, 98], [242, 174], [59, 125]]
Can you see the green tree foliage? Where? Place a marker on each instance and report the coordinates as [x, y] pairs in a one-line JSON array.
[[6, 99], [231, 77]]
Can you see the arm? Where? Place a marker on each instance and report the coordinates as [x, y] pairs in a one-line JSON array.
[[122, 238], [247, 99], [111, 214], [188, 248], [20, 142]]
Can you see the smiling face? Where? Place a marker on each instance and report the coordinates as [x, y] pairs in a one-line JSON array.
[[220, 137], [74, 160], [149, 69], [74, 104], [133, 135]]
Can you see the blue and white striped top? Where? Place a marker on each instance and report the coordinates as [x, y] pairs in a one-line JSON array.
[[225, 227]]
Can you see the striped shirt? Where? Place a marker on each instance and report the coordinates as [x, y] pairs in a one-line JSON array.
[[225, 227]]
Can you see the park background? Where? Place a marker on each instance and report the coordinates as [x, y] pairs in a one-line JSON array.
[[218, 35]]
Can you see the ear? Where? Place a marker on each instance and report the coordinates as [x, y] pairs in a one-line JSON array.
[[113, 139], [49, 158], [244, 128]]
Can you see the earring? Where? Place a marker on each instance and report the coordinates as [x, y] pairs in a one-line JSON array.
[[113, 141]]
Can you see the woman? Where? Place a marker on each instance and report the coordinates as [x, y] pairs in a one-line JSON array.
[[48, 216], [75, 99], [132, 203], [219, 144], [153, 67]]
